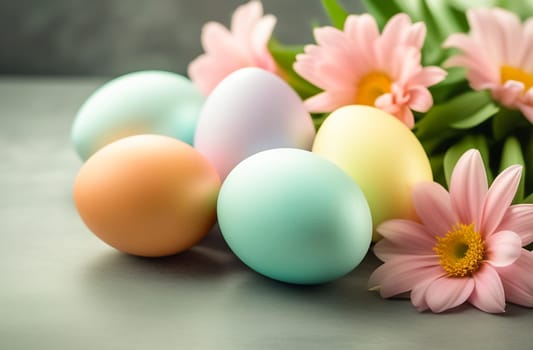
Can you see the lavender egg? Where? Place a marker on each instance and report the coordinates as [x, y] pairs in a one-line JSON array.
[[250, 111]]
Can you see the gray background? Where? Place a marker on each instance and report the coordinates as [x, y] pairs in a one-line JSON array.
[[112, 37]]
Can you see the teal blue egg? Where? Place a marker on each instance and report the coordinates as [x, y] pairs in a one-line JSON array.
[[294, 216], [146, 102]]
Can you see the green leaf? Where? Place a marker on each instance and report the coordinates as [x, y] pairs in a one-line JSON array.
[[477, 118], [512, 154], [437, 167], [285, 56], [528, 199], [455, 152], [506, 121], [454, 84], [442, 116], [336, 13], [318, 119], [382, 10], [460, 17]]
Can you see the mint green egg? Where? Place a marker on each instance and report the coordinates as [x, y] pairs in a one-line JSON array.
[[294, 216], [146, 102]]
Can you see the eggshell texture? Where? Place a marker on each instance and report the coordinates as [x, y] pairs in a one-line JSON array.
[[148, 195], [250, 111], [380, 153], [147, 102], [294, 217]]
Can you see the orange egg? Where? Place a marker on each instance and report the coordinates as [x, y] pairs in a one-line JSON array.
[[148, 195]]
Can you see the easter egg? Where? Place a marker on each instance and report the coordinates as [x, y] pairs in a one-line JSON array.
[[147, 195], [251, 110], [147, 102], [294, 216], [380, 153]]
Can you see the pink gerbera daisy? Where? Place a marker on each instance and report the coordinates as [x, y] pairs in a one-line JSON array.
[[227, 51], [498, 55], [467, 246], [360, 66]]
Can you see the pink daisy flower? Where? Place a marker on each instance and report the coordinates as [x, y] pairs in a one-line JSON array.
[[227, 51], [360, 66], [467, 246], [498, 55]]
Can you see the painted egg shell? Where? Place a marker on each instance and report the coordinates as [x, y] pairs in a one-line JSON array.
[[148, 195], [147, 102], [380, 153], [250, 111], [294, 216]]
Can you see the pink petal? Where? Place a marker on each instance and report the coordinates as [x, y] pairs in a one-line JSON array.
[[401, 274], [428, 76], [362, 30], [488, 293], [509, 93], [217, 40], [384, 102], [329, 36], [478, 74], [503, 248], [206, 72], [421, 99], [446, 293], [405, 63], [405, 115], [433, 206], [518, 280], [395, 29], [511, 28], [418, 294], [519, 219], [415, 35], [260, 36], [406, 233], [403, 238], [484, 29], [244, 19], [499, 198], [326, 102], [525, 54], [468, 186]]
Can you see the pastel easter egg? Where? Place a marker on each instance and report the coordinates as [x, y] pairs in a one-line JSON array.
[[147, 195], [250, 111], [147, 102], [380, 154], [294, 216]]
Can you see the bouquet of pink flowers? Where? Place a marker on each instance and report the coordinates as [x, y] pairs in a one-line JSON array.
[[460, 80]]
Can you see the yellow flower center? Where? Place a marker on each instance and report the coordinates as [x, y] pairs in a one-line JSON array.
[[461, 251], [371, 86], [516, 74]]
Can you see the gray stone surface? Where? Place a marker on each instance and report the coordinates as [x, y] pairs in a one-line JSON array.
[[112, 37], [61, 288]]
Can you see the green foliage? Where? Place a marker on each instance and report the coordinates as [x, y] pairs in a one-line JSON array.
[[336, 13], [512, 154], [466, 110], [285, 56], [381, 10], [455, 152]]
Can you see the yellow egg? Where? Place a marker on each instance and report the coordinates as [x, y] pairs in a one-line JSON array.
[[148, 195], [380, 153]]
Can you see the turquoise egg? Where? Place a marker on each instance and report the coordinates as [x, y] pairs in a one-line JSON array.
[[294, 216], [147, 102]]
